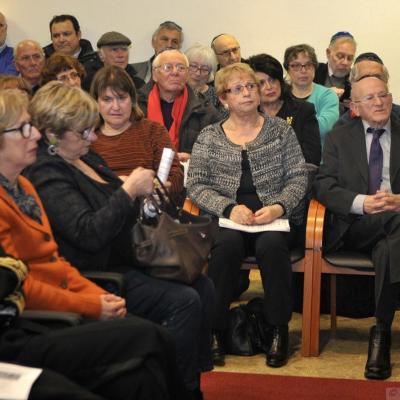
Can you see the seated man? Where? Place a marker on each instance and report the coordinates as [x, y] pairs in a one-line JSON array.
[[7, 66], [112, 49], [170, 101], [359, 184], [227, 49], [168, 35], [66, 38], [335, 73], [29, 61]]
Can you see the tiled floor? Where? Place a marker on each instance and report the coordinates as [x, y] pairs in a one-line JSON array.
[[341, 357]]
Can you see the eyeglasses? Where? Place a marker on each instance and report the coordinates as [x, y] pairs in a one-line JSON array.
[[371, 97], [227, 52], [87, 132], [270, 81], [251, 87], [204, 70], [68, 76], [25, 130], [298, 66], [34, 57], [170, 67]]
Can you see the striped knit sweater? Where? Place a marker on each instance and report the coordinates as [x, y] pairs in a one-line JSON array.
[[276, 161]]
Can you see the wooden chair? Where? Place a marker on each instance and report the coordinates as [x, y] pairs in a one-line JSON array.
[[302, 261], [335, 263]]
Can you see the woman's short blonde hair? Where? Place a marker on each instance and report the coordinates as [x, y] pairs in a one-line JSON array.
[[223, 76], [13, 103], [15, 82], [59, 108]]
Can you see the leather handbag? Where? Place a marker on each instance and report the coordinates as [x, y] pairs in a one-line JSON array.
[[174, 245]]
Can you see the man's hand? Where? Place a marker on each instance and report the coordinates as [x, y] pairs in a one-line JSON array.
[[112, 306], [381, 201], [268, 214]]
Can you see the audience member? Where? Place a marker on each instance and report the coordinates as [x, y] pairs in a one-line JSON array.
[[113, 359], [112, 49], [250, 169], [277, 101], [15, 82], [359, 185], [126, 140], [7, 66], [300, 62], [168, 35], [66, 38], [29, 61], [335, 73], [170, 101], [63, 68], [227, 49], [202, 67], [93, 212]]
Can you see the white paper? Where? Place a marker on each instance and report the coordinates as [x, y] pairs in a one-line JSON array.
[[280, 224], [165, 164], [16, 381], [185, 165]]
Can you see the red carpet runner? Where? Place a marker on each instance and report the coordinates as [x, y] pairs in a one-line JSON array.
[[238, 386]]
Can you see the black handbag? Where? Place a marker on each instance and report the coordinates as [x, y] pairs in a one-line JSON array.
[[174, 245], [248, 331]]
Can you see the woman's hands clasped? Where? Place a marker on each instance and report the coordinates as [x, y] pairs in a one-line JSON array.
[[243, 215]]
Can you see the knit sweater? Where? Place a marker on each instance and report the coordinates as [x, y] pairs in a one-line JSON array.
[[141, 145], [276, 162]]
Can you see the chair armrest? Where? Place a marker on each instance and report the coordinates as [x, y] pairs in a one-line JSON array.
[[319, 227], [190, 207], [310, 224], [53, 319], [113, 282]]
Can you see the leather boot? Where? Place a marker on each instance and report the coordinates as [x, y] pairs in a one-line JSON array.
[[217, 349], [378, 363], [277, 354]]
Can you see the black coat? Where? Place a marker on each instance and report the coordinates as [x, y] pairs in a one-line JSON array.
[[86, 48]]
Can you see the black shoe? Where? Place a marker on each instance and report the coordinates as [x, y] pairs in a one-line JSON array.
[[378, 363], [277, 354], [218, 353]]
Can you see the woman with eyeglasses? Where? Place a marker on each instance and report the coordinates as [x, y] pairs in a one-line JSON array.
[[112, 356], [300, 62], [92, 213], [249, 168], [63, 68], [277, 101]]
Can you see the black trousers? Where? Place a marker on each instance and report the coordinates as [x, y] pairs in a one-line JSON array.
[[271, 250], [121, 359], [379, 235]]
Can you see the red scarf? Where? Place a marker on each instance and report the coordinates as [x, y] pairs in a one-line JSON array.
[[154, 112]]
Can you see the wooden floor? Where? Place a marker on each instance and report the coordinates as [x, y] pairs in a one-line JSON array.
[[342, 357]]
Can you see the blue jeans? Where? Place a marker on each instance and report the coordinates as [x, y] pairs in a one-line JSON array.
[[185, 310]]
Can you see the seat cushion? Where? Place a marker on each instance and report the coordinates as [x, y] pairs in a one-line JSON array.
[[350, 259]]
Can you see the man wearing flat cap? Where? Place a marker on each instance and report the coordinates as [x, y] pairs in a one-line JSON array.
[[112, 49], [335, 73]]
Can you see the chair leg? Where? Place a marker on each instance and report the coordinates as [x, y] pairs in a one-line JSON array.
[[333, 303], [307, 305], [316, 305]]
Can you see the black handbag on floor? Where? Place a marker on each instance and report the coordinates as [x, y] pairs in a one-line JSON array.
[[174, 245]]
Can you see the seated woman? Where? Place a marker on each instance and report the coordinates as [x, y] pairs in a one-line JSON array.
[[277, 101], [126, 140], [112, 358], [250, 169], [301, 62], [92, 213], [63, 68], [15, 82]]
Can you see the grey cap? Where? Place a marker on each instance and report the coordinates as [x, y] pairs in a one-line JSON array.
[[112, 39]]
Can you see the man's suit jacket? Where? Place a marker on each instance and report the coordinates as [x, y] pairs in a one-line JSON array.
[[344, 173]]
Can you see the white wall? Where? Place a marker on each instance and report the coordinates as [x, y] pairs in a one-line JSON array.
[[260, 25]]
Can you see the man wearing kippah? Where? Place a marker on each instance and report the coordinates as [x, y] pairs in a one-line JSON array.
[[167, 36], [112, 49], [335, 72]]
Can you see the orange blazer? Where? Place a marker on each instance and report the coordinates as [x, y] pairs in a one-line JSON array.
[[52, 283]]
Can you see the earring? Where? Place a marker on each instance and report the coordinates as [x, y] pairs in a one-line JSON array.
[[226, 106], [52, 149]]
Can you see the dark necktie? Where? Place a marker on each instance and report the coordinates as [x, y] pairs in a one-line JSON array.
[[375, 161]]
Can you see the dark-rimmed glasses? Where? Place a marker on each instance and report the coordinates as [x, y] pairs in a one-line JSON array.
[[203, 69], [24, 129], [298, 66]]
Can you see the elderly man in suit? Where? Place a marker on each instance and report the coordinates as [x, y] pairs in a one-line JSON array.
[[359, 183]]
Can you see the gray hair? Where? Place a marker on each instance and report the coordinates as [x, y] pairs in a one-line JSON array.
[[27, 41], [206, 54], [355, 76], [156, 61], [171, 26]]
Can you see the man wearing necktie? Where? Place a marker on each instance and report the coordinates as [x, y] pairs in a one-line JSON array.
[[359, 183]]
